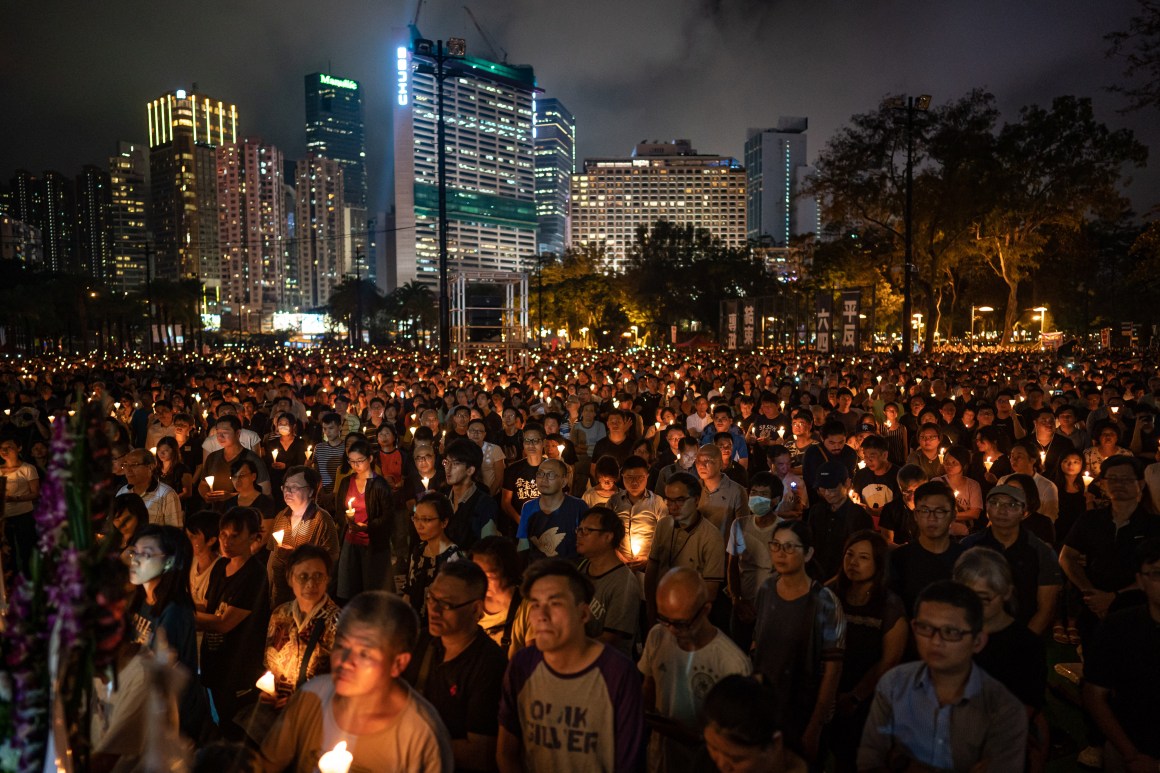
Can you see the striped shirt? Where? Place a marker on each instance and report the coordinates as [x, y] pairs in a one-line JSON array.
[[327, 458]]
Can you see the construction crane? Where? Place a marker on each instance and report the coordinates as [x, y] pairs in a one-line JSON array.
[[415, 19], [486, 39]]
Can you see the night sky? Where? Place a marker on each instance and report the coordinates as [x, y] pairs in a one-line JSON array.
[[75, 75]]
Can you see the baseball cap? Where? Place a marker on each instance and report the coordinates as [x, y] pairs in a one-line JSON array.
[[832, 475], [1015, 492]]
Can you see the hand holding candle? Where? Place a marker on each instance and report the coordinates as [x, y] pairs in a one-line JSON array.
[[350, 509], [266, 684], [337, 760], [278, 535], [209, 482]]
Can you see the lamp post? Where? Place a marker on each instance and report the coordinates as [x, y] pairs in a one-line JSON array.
[[435, 53], [1042, 319], [981, 310], [910, 105]]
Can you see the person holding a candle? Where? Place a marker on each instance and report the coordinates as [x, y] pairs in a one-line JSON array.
[[301, 522], [616, 597], [172, 471], [235, 619], [595, 691], [301, 633], [22, 488], [990, 460], [968, 492], [382, 723], [458, 667], [244, 477], [639, 511], [217, 464], [285, 449], [368, 526]]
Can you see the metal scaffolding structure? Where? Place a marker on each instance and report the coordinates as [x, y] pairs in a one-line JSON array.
[[491, 329]]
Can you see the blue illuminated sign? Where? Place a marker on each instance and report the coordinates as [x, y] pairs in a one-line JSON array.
[[402, 71]]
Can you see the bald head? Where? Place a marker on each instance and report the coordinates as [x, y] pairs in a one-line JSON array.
[[681, 594]]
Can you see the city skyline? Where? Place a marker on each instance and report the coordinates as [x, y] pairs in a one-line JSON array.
[[706, 71]]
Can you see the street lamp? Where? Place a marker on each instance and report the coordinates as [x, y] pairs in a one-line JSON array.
[[982, 310], [910, 105], [435, 53], [1042, 319]]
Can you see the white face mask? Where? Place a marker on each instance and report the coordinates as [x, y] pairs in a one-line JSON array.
[[283, 430]]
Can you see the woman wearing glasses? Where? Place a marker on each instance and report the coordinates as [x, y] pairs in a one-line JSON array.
[[301, 522], [284, 449], [432, 514], [244, 476], [366, 526], [799, 638]]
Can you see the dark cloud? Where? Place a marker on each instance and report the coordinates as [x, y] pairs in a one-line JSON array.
[[75, 76]]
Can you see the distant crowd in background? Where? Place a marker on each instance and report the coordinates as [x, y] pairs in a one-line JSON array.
[[679, 561]]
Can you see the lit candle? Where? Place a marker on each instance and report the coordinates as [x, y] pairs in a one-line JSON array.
[[987, 464], [425, 480], [1087, 478], [888, 424], [309, 451], [853, 496], [278, 535], [274, 454], [941, 453], [350, 508], [781, 432], [153, 450], [861, 466], [337, 760], [1043, 457], [209, 481], [1115, 409], [266, 683], [560, 449]]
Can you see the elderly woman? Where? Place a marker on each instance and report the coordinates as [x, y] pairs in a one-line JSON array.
[[301, 632], [162, 502], [363, 702], [301, 522]]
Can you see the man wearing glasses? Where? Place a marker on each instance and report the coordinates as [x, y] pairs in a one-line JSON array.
[[519, 479], [1034, 566], [616, 597], [548, 522], [942, 712], [685, 655], [457, 667], [1097, 554], [932, 555]]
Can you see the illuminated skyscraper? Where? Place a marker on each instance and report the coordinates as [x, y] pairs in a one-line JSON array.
[[251, 223], [129, 184], [555, 140], [185, 128], [58, 221], [334, 130], [775, 162], [318, 231], [491, 191], [94, 212], [661, 181]]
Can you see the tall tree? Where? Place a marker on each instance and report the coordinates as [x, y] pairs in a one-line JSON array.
[[1054, 168], [1139, 48]]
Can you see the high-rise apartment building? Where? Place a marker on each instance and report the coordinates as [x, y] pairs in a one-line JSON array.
[[555, 142], [490, 167], [251, 227], [94, 212], [318, 231], [185, 128], [58, 221], [129, 185], [775, 163], [661, 181], [334, 130], [20, 242]]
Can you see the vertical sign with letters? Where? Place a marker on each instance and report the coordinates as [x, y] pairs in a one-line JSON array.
[[851, 310], [824, 306]]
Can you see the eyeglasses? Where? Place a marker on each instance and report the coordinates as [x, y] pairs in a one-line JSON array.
[[143, 555], [678, 501], [547, 474], [1004, 504], [789, 548], [304, 578], [533, 441], [927, 512], [290, 489], [946, 632], [352, 460], [453, 462], [681, 625], [584, 531], [442, 605]]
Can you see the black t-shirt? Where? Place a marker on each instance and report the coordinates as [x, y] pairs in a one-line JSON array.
[[1123, 658], [520, 479], [1017, 658], [913, 567], [831, 528], [1110, 554], [618, 451], [866, 625], [899, 519], [873, 489], [466, 690], [234, 660]]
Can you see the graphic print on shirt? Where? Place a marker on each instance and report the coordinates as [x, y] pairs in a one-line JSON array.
[[548, 541]]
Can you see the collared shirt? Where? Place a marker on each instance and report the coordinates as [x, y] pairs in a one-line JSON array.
[[701, 548], [729, 502], [640, 521], [986, 723]]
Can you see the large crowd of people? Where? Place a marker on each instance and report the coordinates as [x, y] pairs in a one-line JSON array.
[[662, 559]]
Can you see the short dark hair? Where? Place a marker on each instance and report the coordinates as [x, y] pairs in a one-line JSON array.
[[607, 465], [390, 614], [935, 488], [443, 507], [769, 481], [691, 484], [609, 522], [633, 463], [834, 427], [469, 573], [1147, 552], [504, 552], [742, 709], [309, 474], [229, 418], [581, 586], [203, 522], [1112, 462], [875, 443], [244, 460], [241, 518], [307, 552], [465, 451], [330, 417], [910, 473], [954, 594]]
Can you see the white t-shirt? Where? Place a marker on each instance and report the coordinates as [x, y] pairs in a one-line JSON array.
[[683, 679], [749, 542], [19, 484], [163, 504]]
